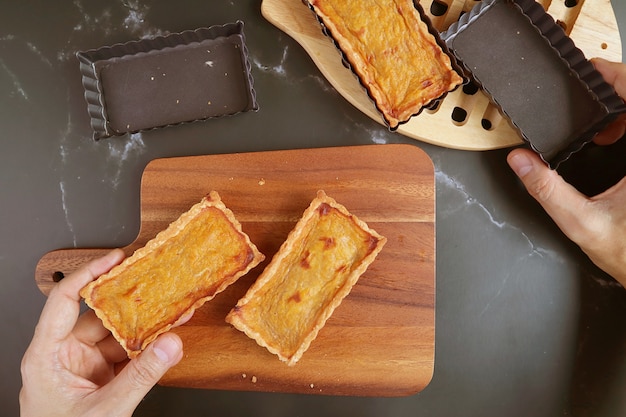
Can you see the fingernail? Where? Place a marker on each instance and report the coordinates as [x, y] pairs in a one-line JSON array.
[[521, 164], [167, 348]]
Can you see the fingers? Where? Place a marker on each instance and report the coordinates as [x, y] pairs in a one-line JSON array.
[[613, 73], [111, 350], [568, 208], [141, 374], [89, 329], [62, 308], [72, 284], [612, 133]]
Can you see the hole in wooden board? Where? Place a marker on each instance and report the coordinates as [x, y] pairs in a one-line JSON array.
[[491, 117], [459, 115], [470, 89], [438, 8], [570, 15], [432, 108], [604, 45], [58, 276]]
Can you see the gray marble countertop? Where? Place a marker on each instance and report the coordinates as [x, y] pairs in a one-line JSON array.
[[526, 325]]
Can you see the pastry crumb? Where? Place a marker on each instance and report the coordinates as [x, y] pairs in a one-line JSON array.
[[312, 385], [253, 379], [262, 181], [244, 376]]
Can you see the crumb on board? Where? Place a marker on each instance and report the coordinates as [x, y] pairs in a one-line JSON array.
[[244, 376], [253, 379], [262, 181]]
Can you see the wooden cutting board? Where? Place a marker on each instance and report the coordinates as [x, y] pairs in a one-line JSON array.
[[590, 23], [380, 340]]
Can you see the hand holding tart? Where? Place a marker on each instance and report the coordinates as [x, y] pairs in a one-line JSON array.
[[197, 256]]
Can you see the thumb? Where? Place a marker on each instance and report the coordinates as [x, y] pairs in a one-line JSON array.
[[131, 385], [567, 206]]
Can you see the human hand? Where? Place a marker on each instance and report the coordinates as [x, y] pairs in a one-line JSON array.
[[597, 224], [614, 73], [74, 366]]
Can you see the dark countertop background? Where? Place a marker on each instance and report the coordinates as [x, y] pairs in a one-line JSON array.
[[525, 324]]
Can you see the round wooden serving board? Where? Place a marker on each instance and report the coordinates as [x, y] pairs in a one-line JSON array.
[[590, 23], [380, 341]]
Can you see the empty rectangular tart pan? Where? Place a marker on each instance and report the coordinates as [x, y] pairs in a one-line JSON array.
[[535, 74], [167, 80]]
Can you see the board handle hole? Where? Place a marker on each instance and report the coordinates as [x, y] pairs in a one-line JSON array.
[[57, 276]]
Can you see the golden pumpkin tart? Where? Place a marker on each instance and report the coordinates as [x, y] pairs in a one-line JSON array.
[[197, 256], [310, 275], [391, 50]]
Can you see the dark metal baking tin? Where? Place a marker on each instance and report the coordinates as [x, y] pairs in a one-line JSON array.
[[431, 29], [182, 77], [535, 74]]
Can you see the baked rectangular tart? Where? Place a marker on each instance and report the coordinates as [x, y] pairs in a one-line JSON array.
[[194, 258], [390, 48], [307, 279]]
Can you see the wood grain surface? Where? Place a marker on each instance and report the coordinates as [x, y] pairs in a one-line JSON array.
[[379, 341], [590, 23]]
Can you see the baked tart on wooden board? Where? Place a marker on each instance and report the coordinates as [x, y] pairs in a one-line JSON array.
[[381, 339], [313, 271]]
